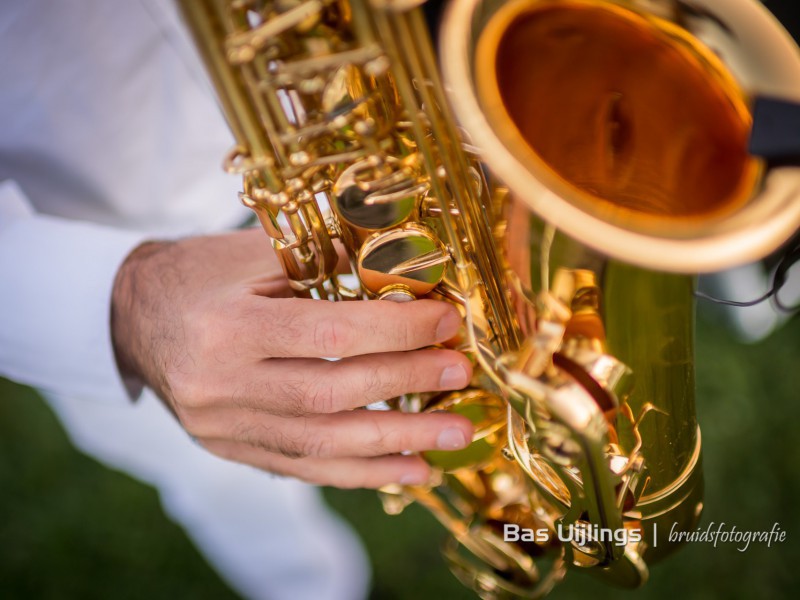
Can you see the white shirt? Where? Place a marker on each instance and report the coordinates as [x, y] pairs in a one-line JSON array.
[[109, 134]]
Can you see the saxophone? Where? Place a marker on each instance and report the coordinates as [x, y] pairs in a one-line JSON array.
[[599, 155]]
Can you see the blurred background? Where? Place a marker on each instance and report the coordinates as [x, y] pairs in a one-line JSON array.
[[70, 528]]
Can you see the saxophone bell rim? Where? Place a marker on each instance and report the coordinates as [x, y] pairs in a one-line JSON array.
[[770, 217]]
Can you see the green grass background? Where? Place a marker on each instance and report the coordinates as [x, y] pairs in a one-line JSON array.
[[70, 528]]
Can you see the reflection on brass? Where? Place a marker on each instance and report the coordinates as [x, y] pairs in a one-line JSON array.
[[384, 200], [618, 131], [412, 257]]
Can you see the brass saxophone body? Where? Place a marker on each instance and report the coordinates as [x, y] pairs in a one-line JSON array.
[[615, 136]]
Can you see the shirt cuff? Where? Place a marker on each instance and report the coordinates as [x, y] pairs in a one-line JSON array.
[[55, 308]]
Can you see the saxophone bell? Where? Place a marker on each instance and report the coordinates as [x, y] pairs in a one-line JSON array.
[[627, 124]]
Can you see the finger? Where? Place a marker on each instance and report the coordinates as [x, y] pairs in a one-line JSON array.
[[337, 472], [302, 387], [299, 327], [359, 433]]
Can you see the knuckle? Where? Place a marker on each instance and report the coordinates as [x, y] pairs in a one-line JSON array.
[[258, 435], [204, 331], [321, 397], [289, 395], [286, 327], [272, 439], [250, 396], [318, 445], [389, 440], [242, 432], [332, 337], [384, 382], [398, 440], [291, 447], [187, 390], [243, 316]]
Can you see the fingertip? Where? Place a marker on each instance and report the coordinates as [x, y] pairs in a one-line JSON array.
[[418, 474], [468, 366], [456, 431], [467, 428], [449, 323], [457, 372], [454, 377]]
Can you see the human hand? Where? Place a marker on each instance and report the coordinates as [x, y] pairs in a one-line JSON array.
[[208, 323]]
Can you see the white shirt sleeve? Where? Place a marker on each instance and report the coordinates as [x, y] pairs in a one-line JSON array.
[[112, 135], [56, 277]]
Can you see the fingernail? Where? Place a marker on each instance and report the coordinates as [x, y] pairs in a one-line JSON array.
[[453, 377], [448, 326], [413, 479], [451, 438]]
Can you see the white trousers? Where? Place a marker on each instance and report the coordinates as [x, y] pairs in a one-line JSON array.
[[269, 537]]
